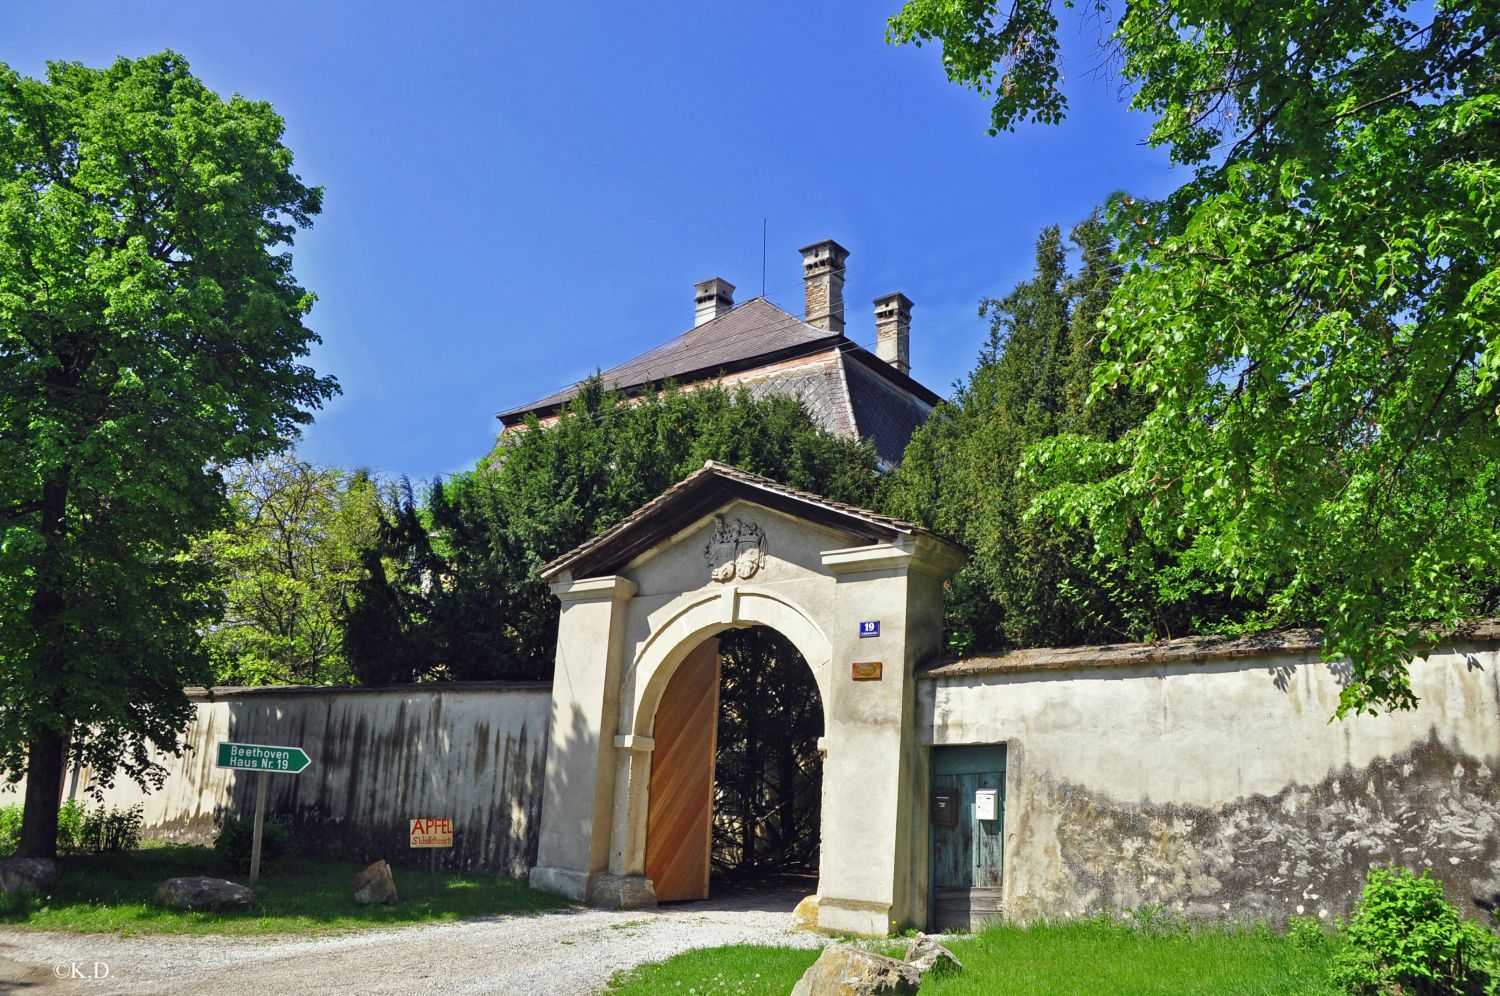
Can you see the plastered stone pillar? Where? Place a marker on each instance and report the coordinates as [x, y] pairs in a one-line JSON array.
[[578, 798], [627, 859], [872, 875]]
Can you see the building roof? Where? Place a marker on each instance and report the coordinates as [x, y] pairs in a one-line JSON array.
[[854, 394], [707, 489], [883, 413], [750, 334]]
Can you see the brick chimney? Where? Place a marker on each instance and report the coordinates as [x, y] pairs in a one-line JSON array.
[[712, 298], [893, 330], [823, 270]]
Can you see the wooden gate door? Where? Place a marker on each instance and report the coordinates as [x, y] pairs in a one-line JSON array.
[[967, 852], [679, 810]]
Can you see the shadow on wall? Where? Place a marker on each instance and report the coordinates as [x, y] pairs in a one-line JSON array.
[[1304, 850], [576, 754], [380, 757]]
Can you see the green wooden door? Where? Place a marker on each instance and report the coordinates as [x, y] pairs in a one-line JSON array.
[[967, 856]]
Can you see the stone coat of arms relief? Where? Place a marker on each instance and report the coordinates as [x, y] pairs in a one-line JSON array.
[[735, 549]]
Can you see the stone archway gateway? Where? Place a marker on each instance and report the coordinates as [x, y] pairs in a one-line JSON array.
[[860, 595]]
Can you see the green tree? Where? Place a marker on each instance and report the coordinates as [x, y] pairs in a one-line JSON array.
[[389, 632], [1313, 312], [1035, 580], [290, 564], [150, 330], [475, 606]]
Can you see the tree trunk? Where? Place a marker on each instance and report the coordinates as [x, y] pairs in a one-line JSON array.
[[46, 754], [46, 757]]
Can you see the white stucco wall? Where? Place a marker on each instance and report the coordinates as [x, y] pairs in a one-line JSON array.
[[380, 757], [1223, 787]]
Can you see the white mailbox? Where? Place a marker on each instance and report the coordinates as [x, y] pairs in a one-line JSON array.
[[986, 804]]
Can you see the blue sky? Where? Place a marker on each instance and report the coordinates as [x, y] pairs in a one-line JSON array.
[[519, 193]]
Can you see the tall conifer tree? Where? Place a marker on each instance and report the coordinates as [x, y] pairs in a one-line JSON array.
[[1034, 580]]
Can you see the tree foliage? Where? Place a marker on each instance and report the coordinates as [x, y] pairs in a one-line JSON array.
[[390, 630], [1036, 580], [462, 597], [289, 565], [1313, 312], [150, 329]]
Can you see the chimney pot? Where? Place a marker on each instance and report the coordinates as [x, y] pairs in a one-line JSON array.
[[893, 330], [711, 298], [823, 272]]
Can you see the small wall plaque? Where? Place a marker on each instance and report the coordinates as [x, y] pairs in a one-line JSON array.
[[865, 671], [944, 807], [870, 628]]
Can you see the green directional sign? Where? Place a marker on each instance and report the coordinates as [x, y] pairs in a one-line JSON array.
[[263, 757]]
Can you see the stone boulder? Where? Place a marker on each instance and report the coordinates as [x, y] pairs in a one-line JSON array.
[[374, 885], [805, 916], [925, 954], [203, 894], [27, 876], [842, 970]]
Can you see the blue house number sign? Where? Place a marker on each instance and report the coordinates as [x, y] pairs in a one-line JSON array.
[[871, 628]]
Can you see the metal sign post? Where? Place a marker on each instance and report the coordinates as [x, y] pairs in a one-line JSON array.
[[265, 759]]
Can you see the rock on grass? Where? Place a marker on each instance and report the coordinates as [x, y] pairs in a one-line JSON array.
[[203, 894], [27, 876]]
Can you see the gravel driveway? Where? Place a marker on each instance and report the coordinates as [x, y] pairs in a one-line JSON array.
[[571, 951]]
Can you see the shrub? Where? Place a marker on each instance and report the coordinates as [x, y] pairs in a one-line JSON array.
[[10, 830], [1405, 937], [1306, 932], [72, 828], [70, 820], [233, 842], [112, 830]]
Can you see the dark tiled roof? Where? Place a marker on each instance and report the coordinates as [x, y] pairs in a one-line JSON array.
[[883, 413], [751, 333], [746, 485], [820, 388]]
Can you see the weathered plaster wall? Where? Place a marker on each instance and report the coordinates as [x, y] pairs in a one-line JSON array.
[[473, 752], [1221, 787]]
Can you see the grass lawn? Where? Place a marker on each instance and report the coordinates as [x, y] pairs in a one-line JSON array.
[[1085, 957], [112, 892]]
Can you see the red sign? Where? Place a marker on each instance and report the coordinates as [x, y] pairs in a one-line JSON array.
[[865, 671], [432, 832]]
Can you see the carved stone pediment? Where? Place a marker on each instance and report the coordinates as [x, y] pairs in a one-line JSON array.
[[735, 549]]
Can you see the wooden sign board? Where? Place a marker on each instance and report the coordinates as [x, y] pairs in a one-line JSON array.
[[432, 832], [865, 671]]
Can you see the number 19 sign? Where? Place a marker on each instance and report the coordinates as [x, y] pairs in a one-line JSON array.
[[262, 757]]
